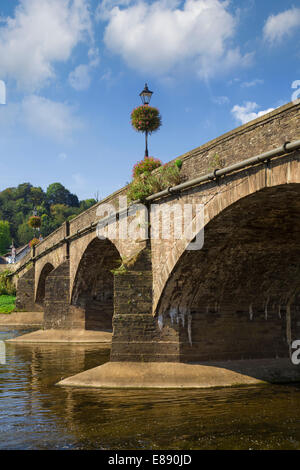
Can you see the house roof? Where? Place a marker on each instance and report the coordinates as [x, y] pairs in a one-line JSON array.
[[18, 250]]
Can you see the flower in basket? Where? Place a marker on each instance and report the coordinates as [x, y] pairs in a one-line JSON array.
[[34, 221], [146, 166], [34, 242], [146, 119]]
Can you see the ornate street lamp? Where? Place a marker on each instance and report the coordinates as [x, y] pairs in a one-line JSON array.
[[146, 95], [145, 118]]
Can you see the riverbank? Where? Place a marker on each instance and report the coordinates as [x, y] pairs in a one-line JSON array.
[[7, 304], [180, 375]]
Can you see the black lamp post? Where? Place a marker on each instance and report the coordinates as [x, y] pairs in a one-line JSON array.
[[146, 95]]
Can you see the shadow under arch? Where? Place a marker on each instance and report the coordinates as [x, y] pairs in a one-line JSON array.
[[239, 296], [93, 290], [40, 293]]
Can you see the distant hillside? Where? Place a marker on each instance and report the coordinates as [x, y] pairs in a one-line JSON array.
[[54, 206]]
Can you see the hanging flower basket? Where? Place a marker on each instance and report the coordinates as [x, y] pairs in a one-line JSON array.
[[145, 166], [34, 242], [34, 222], [145, 119]]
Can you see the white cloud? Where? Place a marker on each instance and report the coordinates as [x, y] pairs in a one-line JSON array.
[[155, 38], [252, 83], [282, 25], [9, 115], [105, 6], [94, 57], [247, 112], [63, 156], [43, 117], [107, 75], [221, 100], [233, 81], [49, 118], [41, 33], [80, 78]]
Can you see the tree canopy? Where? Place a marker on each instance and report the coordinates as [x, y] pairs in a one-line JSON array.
[[58, 194], [5, 237], [54, 206]]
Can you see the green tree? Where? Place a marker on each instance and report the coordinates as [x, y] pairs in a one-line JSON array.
[[5, 238], [58, 194], [25, 234], [23, 191], [60, 212], [48, 225], [37, 196], [54, 207], [86, 204]]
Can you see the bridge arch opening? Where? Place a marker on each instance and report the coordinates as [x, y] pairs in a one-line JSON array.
[[93, 290], [40, 293], [239, 296]]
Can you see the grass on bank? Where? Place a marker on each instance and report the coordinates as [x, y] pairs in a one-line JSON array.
[[7, 303]]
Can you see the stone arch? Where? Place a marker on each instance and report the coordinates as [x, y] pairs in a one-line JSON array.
[[93, 287], [41, 284], [55, 258], [127, 249], [279, 172], [239, 297]]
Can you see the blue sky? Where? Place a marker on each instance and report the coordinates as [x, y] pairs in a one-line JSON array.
[[73, 71]]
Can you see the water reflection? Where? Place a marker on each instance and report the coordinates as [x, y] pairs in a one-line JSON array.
[[36, 414]]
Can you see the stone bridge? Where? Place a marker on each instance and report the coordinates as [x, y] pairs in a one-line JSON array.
[[236, 298]]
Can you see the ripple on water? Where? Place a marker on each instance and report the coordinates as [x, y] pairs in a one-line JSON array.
[[35, 414]]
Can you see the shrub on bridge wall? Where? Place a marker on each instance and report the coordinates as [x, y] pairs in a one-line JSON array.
[[147, 183], [216, 162], [178, 163], [119, 271], [138, 190]]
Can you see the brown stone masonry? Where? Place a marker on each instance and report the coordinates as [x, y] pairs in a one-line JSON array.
[[136, 334], [25, 293], [57, 312], [236, 298]]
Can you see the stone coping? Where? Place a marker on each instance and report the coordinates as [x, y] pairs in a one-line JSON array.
[[65, 337], [182, 375]]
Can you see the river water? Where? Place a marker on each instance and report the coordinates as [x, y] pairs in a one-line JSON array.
[[37, 414]]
